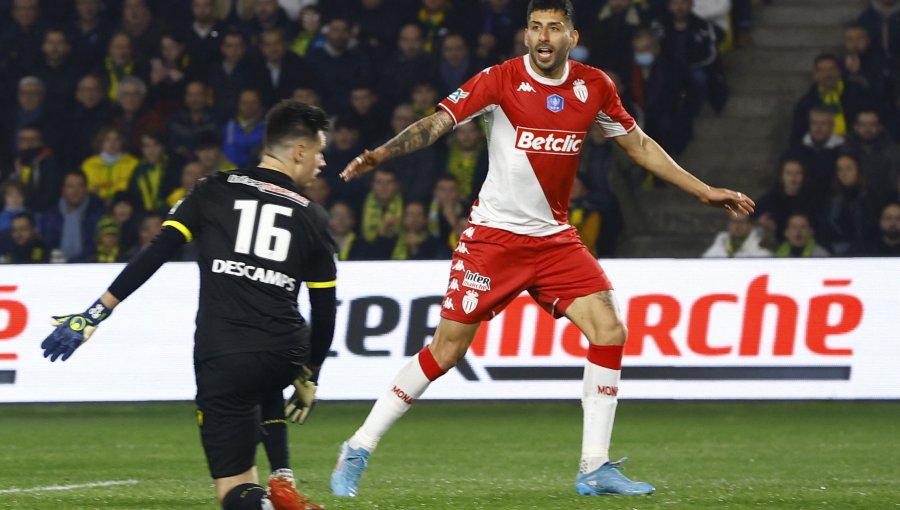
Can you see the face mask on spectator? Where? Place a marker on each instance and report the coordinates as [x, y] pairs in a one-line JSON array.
[[108, 158], [644, 59], [26, 156]]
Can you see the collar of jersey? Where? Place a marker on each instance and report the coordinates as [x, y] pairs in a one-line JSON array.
[[545, 81], [272, 176]]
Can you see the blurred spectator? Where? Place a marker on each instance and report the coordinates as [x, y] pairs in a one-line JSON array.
[[887, 241], [344, 146], [830, 90], [151, 226], [818, 151], [170, 72], [446, 208], [467, 158], [88, 33], [383, 208], [338, 65], [413, 241], [878, 155], [518, 45], [455, 66], [865, 63], [310, 35], [740, 240], [230, 76], [849, 214], [108, 237], [486, 50], [377, 26], [123, 214], [57, 69], [424, 97], [267, 16], [109, 171], [138, 23], [90, 112], [36, 168], [120, 64], [319, 191], [501, 19], [13, 193], [718, 12], [882, 21], [742, 20], [367, 113], [341, 226], [155, 176], [584, 216], [27, 246], [205, 33], [406, 65], [243, 134], [31, 110], [71, 226], [799, 239], [190, 175], [787, 197], [307, 95], [195, 118], [132, 116], [659, 90], [417, 171], [279, 72], [610, 34], [208, 152], [437, 19], [691, 42], [20, 40]]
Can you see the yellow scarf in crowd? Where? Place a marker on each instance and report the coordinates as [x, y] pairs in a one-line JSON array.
[[832, 101], [374, 214]]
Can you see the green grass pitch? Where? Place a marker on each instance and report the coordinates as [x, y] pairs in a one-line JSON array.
[[509, 455]]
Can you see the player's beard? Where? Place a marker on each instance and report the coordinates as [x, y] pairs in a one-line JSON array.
[[549, 68]]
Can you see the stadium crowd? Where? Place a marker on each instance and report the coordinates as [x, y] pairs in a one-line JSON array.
[[114, 109]]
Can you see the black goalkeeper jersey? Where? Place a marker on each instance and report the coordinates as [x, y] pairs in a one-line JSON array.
[[258, 238]]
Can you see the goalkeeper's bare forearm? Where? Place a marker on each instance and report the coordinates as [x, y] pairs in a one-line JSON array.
[[417, 136]]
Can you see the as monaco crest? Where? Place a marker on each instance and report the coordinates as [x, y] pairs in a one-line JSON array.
[[470, 301], [581, 91]]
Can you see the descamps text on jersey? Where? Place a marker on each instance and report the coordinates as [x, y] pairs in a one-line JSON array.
[[254, 273]]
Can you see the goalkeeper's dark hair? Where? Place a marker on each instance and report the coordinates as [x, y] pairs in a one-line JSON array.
[[291, 119], [565, 6]]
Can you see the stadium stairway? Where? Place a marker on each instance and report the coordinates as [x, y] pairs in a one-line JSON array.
[[739, 148]]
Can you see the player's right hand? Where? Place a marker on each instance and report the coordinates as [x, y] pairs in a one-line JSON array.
[[298, 407], [362, 164], [72, 331]]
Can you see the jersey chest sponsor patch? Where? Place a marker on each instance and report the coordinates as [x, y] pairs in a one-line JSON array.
[[549, 141]]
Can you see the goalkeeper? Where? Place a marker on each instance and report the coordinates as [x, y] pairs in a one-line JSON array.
[[258, 238]]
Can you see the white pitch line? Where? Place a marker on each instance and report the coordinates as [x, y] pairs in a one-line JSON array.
[[69, 487]]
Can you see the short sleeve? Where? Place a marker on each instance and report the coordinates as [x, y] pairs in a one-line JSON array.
[[474, 96], [612, 118], [184, 216], [321, 269]]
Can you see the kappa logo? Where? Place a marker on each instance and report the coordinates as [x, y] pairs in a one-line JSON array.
[[448, 304], [525, 87], [470, 301], [454, 284], [469, 232], [461, 248], [459, 266], [476, 281], [457, 95], [581, 91]]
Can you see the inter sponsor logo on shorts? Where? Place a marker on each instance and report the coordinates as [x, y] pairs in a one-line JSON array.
[[547, 141], [470, 301], [477, 281]]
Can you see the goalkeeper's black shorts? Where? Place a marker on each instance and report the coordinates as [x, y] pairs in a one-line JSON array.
[[230, 390]]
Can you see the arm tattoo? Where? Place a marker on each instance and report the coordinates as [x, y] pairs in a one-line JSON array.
[[418, 135]]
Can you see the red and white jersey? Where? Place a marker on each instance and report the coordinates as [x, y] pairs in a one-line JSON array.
[[535, 129]]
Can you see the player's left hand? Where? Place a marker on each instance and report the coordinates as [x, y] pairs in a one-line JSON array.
[[301, 403], [734, 202], [72, 331]]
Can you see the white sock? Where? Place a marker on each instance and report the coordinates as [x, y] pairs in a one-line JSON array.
[[408, 385], [598, 400]]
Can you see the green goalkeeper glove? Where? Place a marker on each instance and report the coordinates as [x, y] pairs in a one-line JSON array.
[[301, 403]]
